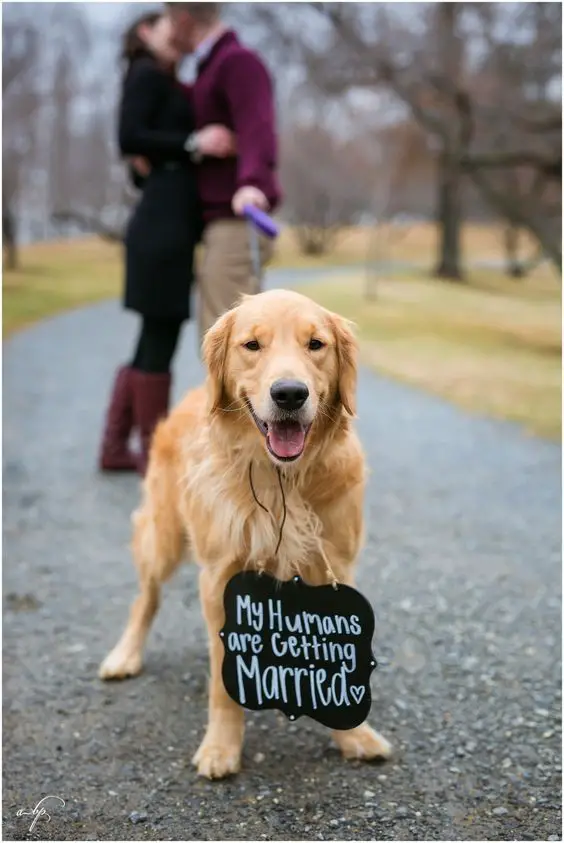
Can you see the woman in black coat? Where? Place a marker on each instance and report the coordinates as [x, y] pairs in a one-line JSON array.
[[156, 123]]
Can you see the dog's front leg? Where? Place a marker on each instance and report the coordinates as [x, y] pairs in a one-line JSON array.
[[219, 754], [362, 742]]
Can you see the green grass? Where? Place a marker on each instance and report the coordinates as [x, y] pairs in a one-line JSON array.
[[488, 347], [53, 277]]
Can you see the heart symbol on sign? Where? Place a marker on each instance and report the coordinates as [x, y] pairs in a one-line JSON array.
[[357, 692]]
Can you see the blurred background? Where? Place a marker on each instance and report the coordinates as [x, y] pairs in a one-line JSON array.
[[420, 162]]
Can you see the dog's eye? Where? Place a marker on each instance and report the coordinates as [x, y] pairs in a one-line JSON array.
[[315, 345], [252, 345]]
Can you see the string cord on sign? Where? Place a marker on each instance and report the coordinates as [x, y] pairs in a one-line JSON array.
[[262, 506], [328, 570]]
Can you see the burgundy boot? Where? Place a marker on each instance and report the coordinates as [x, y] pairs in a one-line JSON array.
[[151, 395], [114, 453]]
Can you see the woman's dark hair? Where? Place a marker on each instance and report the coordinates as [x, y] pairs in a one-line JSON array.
[[133, 46]]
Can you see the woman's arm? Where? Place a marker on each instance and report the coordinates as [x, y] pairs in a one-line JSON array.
[[143, 92]]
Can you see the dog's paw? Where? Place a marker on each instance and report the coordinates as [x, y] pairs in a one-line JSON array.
[[363, 743], [216, 761], [120, 664]]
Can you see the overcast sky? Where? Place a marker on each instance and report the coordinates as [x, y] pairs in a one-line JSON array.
[[109, 12]]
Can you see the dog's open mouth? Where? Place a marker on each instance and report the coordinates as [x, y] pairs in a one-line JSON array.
[[284, 439]]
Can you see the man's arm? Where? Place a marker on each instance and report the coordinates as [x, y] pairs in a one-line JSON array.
[[248, 89]]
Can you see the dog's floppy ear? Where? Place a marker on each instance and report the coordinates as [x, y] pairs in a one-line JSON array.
[[347, 353], [214, 349]]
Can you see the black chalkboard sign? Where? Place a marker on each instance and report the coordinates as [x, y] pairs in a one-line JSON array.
[[305, 650]]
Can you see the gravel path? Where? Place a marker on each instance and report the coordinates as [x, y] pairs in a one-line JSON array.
[[463, 568]]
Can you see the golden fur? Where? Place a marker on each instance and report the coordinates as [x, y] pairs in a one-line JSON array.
[[198, 501]]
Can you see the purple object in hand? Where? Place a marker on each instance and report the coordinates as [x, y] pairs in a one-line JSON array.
[[262, 221]]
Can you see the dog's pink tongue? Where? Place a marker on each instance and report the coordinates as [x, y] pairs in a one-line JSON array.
[[286, 439]]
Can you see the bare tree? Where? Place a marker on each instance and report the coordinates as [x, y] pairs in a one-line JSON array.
[[42, 89], [513, 112], [19, 102], [449, 57], [60, 183], [445, 90], [325, 183], [401, 189], [467, 73]]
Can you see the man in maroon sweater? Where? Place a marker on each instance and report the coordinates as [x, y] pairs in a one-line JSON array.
[[233, 89]]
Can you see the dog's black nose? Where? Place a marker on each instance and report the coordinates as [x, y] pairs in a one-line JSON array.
[[289, 395]]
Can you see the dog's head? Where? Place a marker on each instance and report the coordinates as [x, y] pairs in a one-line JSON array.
[[283, 364]]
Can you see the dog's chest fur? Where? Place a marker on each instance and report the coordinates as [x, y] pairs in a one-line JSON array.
[[225, 517]]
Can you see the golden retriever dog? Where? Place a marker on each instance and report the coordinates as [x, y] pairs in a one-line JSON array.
[[275, 411]]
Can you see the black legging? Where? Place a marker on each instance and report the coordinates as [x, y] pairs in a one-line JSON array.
[[156, 345]]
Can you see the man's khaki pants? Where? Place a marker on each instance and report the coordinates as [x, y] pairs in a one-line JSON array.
[[227, 268]]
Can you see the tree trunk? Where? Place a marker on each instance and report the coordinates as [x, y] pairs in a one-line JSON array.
[[9, 239], [517, 213], [448, 218], [449, 49], [315, 240], [512, 266]]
